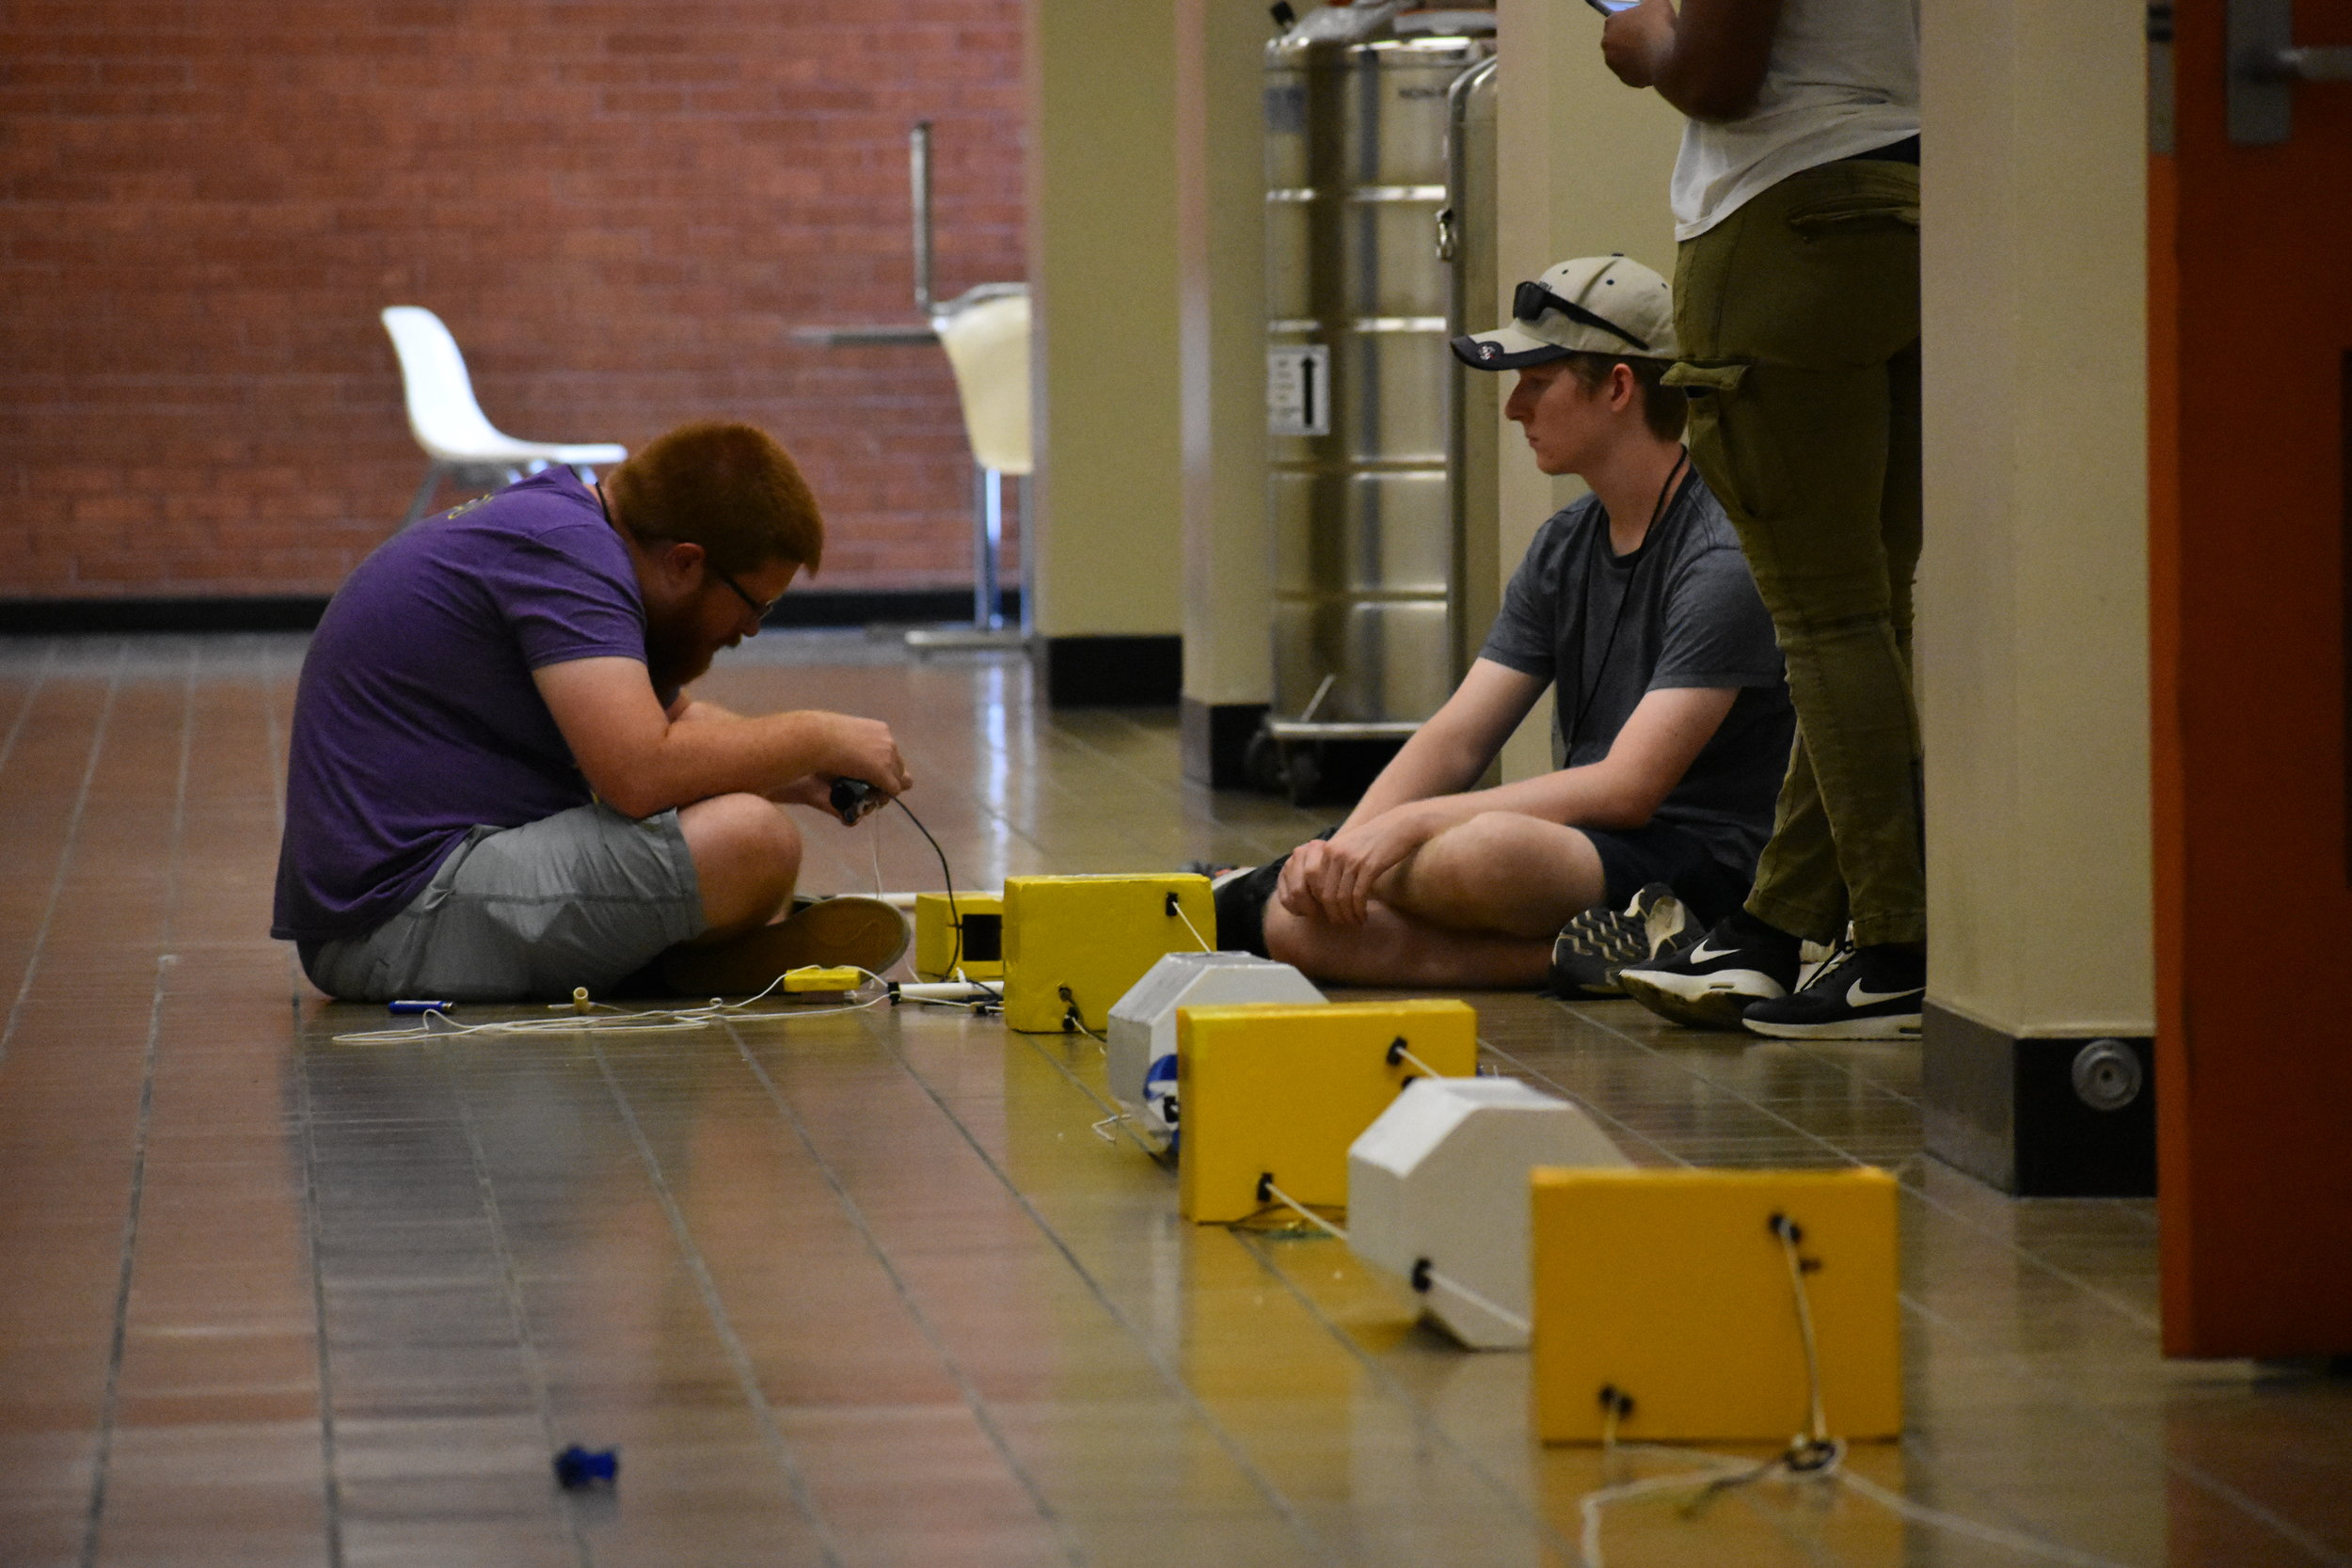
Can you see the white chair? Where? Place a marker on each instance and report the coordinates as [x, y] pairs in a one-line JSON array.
[[985, 331], [457, 438]]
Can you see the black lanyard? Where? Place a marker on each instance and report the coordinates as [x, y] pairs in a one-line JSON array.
[[1658, 510]]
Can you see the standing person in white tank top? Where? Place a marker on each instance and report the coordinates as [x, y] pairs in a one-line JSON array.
[[1796, 203]]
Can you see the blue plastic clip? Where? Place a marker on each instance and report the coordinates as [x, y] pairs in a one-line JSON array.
[[576, 1468]]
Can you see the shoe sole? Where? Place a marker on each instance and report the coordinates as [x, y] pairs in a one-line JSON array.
[[1711, 1000], [1894, 1026], [847, 932]]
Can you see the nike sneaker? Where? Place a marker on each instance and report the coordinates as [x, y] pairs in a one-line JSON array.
[[1592, 948], [1868, 994], [1709, 984]]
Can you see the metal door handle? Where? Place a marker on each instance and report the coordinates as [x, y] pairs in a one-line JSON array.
[[2265, 63], [2313, 65]]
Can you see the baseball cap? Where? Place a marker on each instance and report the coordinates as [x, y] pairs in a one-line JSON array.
[[1591, 305]]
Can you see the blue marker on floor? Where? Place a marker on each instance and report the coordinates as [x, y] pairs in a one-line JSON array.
[[413, 1004]]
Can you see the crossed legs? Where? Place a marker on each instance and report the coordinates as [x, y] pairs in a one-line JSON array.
[[1477, 906]]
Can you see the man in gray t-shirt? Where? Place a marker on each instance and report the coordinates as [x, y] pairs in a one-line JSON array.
[[1673, 726]]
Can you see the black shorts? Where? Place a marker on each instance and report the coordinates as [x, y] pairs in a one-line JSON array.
[[1630, 859]]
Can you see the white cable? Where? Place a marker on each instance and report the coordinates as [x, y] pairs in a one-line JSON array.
[[1405, 1055], [873, 842], [1301, 1209], [1491, 1309], [1176, 907], [582, 1016]]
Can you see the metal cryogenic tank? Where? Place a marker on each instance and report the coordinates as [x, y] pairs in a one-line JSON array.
[[1365, 641]]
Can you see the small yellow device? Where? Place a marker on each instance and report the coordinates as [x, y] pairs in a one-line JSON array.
[[1280, 1089], [811, 978], [1673, 1288], [984, 947], [1092, 938]]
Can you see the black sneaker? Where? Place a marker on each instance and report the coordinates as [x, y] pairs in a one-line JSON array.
[[1866, 994], [1711, 983], [1592, 948]]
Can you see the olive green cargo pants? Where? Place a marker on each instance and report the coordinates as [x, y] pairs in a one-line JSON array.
[[1799, 317]]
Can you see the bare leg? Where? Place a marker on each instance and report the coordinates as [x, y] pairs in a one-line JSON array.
[[1477, 906], [1500, 872], [747, 856], [1391, 948]]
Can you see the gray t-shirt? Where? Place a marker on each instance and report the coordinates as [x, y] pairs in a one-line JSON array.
[[1680, 612]]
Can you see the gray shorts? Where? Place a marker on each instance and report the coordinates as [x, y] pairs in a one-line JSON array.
[[585, 898]]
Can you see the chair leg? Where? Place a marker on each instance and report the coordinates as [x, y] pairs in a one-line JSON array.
[[424, 495]]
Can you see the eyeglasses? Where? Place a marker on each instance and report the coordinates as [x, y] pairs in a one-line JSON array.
[[759, 612], [1530, 300]]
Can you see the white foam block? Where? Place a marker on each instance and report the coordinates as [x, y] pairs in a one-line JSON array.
[[1142, 1034], [1442, 1176]]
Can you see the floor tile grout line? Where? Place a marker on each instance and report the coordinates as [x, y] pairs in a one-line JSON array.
[[518, 1311], [65, 851], [1583, 1102], [110, 1401], [314, 1228], [331, 1481], [973, 1398], [2119, 1309], [1169, 1377], [746, 1371], [1421, 1415], [23, 710], [2221, 1490]]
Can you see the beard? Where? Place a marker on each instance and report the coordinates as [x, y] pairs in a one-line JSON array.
[[675, 653]]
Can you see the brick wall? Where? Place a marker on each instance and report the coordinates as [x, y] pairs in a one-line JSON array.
[[620, 208]]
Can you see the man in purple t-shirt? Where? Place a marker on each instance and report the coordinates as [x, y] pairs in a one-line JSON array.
[[497, 789]]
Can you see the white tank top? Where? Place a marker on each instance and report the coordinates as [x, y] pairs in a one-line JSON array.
[[1843, 78]]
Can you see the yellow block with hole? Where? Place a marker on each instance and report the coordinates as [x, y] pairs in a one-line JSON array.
[[1281, 1089], [1671, 1287], [1093, 937], [982, 956]]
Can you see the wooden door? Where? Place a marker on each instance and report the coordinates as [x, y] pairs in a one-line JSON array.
[[2250, 300]]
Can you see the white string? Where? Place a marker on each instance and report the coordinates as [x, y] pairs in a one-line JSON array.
[[1490, 1309], [1176, 907], [584, 1017], [1302, 1210], [1786, 1231], [873, 842], [1405, 1055]]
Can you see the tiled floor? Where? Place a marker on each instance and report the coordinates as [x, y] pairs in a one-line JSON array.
[[866, 1289]]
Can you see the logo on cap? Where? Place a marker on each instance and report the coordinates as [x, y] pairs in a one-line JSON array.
[[1487, 351]]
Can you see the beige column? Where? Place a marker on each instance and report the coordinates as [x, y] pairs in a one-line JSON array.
[[2033, 615], [1107, 500], [1221, 260], [1581, 170]]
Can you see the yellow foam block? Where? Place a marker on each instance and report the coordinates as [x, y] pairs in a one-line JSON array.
[[814, 979], [983, 951], [1671, 1287], [1093, 937], [1282, 1089]]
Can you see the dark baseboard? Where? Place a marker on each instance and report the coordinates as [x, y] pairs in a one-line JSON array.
[[67, 617], [1111, 672], [851, 606], [2008, 1109], [866, 606], [1214, 740]]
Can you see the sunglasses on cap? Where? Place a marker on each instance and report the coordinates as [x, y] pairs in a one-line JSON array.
[[1531, 300]]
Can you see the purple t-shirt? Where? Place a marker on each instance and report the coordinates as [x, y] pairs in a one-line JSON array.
[[417, 717]]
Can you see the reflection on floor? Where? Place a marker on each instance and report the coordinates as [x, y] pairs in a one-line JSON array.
[[866, 1289]]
